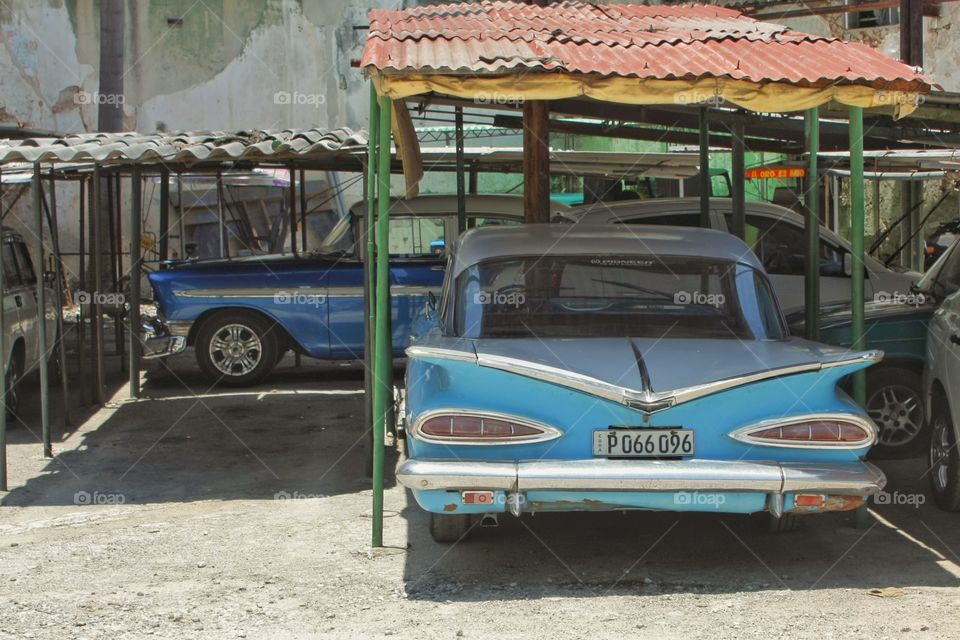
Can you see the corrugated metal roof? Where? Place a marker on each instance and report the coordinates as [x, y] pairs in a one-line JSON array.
[[650, 42], [186, 148]]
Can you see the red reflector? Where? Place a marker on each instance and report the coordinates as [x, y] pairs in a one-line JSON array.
[[475, 427], [808, 500], [477, 497]]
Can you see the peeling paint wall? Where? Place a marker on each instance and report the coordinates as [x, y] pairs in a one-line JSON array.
[[217, 65]]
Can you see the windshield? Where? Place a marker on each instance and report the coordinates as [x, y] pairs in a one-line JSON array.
[[614, 296], [943, 278]]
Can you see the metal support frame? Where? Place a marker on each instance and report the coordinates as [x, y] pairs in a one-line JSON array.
[[136, 204], [536, 161], [811, 202], [165, 213], [54, 226], [292, 201], [42, 314], [383, 362], [704, 175], [96, 311], [221, 223], [461, 188], [369, 274], [857, 216], [738, 177]]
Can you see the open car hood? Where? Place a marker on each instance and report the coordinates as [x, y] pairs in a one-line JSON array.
[[653, 374]]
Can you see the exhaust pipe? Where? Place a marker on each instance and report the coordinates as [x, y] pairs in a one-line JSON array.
[[489, 520]]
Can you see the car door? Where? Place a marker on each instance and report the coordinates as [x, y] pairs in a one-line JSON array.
[[14, 299], [943, 350], [781, 246]]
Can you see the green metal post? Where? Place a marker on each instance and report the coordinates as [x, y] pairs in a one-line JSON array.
[[42, 315], [383, 363], [704, 170], [369, 275], [857, 215], [811, 201], [133, 316]]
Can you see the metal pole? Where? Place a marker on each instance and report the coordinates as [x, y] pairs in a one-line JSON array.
[[97, 312], [183, 240], [220, 220], [85, 194], [461, 190], [857, 215], [383, 363], [164, 213], [136, 203], [704, 170], [811, 201], [369, 275], [293, 212], [54, 225], [41, 315], [116, 266], [4, 364], [303, 209], [739, 180]]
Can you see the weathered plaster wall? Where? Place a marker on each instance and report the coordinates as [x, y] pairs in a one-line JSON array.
[[226, 65]]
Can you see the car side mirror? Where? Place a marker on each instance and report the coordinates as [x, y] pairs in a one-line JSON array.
[[847, 264]]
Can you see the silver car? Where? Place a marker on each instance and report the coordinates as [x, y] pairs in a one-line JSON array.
[[776, 235]]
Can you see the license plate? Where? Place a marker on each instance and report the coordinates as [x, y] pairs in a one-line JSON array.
[[643, 443]]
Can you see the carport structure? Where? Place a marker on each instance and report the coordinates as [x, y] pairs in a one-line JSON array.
[[600, 56], [97, 162]]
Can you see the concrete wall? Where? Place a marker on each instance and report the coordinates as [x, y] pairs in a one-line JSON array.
[[216, 65]]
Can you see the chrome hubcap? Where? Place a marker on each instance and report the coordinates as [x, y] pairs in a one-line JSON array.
[[940, 445], [235, 350], [898, 413]]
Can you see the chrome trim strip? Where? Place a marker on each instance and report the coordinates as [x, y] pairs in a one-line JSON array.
[[742, 434], [846, 478], [395, 290], [179, 328], [251, 292], [440, 354], [649, 402], [875, 355], [548, 432], [163, 346]]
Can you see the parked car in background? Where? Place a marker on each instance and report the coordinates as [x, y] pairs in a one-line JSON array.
[[594, 368], [777, 237], [896, 325], [21, 342], [241, 315], [940, 376]]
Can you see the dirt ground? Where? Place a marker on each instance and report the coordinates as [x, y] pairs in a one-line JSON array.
[[198, 513]]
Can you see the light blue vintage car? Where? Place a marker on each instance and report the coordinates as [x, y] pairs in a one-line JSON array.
[[582, 368]]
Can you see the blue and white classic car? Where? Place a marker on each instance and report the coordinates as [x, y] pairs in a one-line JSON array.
[[578, 368], [241, 315]]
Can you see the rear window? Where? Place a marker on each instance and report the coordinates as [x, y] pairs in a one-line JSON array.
[[604, 296]]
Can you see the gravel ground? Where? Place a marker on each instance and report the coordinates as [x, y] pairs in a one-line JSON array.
[[246, 515]]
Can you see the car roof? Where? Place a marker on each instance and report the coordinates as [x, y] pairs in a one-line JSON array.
[[582, 239], [507, 205]]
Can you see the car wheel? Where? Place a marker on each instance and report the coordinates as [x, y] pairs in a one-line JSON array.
[[895, 403], [236, 348], [449, 527], [11, 395], [782, 524], [944, 460]]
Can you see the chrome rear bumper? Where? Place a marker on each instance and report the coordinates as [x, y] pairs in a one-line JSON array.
[[160, 339], [845, 478]]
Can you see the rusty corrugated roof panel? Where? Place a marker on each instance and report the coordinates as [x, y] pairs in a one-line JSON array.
[[650, 42], [183, 148]]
